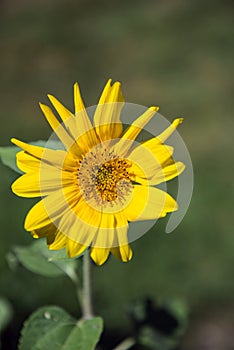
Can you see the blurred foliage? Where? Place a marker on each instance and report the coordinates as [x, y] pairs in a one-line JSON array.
[[5, 313], [158, 327], [38, 259], [177, 54]]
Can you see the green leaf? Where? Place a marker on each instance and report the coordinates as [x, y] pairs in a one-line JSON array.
[[5, 313], [8, 154], [37, 258], [53, 328], [85, 335]]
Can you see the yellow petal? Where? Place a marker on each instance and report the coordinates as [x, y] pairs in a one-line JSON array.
[[146, 161], [80, 126], [43, 182], [85, 135], [44, 161], [123, 253], [167, 173], [37, 217], [105, 92], [126, 141], [137, 126], [83, 122], [36, 151], [51, 208], [115, 94], [121, 250], [152, 163], [80, 223], [167, 133], [95, 217], [59, 242], [27, 186], [45, 231], [107, 114], [99, 255], [105, 235], [27, 163], [78, 102], [63, 112], [59, 129], [161, 152], [77, 127], [87, 225], [87, 214], [149, 203], [31, 159], [51, 118], [74, 249]]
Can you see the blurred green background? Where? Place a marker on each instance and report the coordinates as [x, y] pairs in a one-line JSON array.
[[175, 54]]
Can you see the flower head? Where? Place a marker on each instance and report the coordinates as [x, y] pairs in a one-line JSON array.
[[100, 181]]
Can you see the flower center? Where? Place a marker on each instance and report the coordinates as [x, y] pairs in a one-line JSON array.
[[111, 178], [104, 178]]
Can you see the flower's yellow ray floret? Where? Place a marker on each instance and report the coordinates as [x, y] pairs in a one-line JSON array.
[[63, 112], [73, 248], [59, 159], [59, 242], [138, 125], [124, 252], [78, 102], [107, 115], [58, 128], [133, 130], [36, 151], [99, 255], [147, 161], [169, 131], [48, 231], [149, 203], [51, 118]]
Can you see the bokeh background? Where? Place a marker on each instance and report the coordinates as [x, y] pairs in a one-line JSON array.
[[177, 54]]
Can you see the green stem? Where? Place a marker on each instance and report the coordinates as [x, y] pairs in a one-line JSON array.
[[86, 291], [126, 344], [79, 295], [73, 274]]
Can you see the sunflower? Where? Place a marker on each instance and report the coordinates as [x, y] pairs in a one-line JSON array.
[[100, 181]]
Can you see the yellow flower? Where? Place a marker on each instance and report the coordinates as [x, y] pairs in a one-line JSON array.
[[101, 181]]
